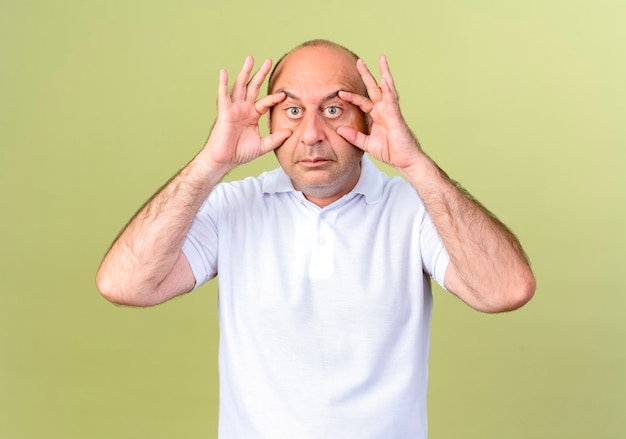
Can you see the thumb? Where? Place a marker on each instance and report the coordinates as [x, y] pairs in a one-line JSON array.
[[353, 136], [274, 140]]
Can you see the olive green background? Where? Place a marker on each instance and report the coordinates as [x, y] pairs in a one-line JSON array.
[[102, 101]]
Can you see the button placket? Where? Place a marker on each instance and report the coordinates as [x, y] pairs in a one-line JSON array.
[[323, 258]]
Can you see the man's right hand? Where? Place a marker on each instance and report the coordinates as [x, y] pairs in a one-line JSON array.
[[235, 138]]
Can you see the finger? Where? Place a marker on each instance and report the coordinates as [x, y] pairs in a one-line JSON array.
[[239, 87], [371, 85], [256, 82], [274, 140], [222, 89], [267, 102], [362, 102], [386, 82], [354, 137]]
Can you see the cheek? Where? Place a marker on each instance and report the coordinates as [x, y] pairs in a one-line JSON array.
[[352, 118], [279, 121], [285, 152], [359, 122]]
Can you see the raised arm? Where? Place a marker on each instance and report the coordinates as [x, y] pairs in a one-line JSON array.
[[488, 268], [145, 265]]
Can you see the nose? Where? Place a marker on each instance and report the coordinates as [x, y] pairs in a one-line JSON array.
[[312, 129]]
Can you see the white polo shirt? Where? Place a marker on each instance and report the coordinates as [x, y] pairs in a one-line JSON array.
[[324, 313]]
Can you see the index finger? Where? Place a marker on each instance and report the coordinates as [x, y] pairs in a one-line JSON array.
[[267, 102], [362, 102]]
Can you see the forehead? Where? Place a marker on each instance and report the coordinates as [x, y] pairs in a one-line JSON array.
[[318, 70]]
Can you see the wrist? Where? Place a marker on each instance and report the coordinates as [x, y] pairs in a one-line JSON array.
[[207, 169], [424, 174]]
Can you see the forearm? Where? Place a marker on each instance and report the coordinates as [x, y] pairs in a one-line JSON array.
[[136, 268], [488, 268], [145, 265]]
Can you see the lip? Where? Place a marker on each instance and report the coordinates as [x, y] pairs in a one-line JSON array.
[[314, 162]]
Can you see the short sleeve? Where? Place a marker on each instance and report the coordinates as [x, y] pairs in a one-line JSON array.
[[200, 245], [435, 258]]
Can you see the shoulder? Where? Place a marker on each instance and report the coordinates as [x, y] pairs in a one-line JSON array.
[[389, 195], [385, 186], [248, 187], [250, 193]]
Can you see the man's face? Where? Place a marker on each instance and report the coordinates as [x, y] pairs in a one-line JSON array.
[[320, 163]]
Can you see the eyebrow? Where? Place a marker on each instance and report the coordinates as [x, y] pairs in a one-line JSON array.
[[292, 96]]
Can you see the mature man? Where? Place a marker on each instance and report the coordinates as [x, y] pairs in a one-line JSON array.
[[324, 264]]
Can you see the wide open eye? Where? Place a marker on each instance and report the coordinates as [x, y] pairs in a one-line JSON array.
[[332, 111], [294, 112]]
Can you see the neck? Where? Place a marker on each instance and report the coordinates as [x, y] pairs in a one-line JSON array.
[[325, 196]]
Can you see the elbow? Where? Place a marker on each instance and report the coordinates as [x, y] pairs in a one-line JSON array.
[[129, 291], [529, 287], [108, 288], [115, 290], [524, 289], [516, 294], [499, 293]]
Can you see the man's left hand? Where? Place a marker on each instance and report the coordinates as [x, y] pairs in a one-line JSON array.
[[390, 140]]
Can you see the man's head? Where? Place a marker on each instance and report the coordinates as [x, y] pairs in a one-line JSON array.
[[320, 163], [271, 85]]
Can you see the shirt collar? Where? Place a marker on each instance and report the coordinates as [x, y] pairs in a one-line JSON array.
[[370, 183]]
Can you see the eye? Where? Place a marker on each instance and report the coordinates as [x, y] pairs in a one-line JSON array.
[[332, 111], [294, 112]]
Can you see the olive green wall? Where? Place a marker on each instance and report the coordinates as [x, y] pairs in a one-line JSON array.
[[101, 102]]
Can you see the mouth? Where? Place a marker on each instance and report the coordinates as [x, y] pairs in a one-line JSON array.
[[314, 162]]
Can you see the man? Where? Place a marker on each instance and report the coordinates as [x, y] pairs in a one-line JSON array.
[[324, 264]]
